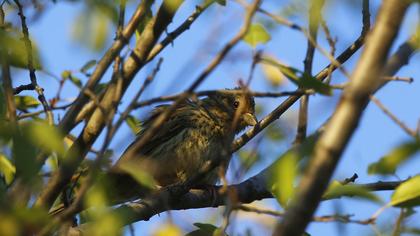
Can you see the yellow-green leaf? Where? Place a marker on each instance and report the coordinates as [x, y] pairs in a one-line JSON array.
[[301, 79], [13, 48], [282, 177], [407, 194], [337, 190], [257, 34], [389, 163], [87, 66], [26, 102], [7, 169], [168, 230], [142, 177], [134, 124], [46, 137]]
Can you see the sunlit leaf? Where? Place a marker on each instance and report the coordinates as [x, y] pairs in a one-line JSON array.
[[93, 25], [204, 230], [337, 190], [68, 75], [26, 102], [104, 221], [7, 169], [134, 124], [46, 137], [282, 177], [272, 74], [390, 162], [301, 79], [9, 225], [257, 34], [13, 49], [407, 194], [168, 230]]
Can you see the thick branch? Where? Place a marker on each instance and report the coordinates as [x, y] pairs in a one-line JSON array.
[[68, 120], [96, 123], [354, 99]]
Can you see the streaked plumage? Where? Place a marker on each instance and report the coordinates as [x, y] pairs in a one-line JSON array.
[[194, 134]]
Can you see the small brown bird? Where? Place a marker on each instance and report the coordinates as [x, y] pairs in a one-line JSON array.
[[195, 133]]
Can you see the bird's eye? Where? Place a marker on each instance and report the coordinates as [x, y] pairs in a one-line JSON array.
[[236, 104]]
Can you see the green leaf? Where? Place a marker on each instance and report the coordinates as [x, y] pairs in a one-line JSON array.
[[134, 124], [337, 190], [7, 169], [301, 79], [87, 66], [13, 49], [46, 137], [26, 102], [389, 163], [407, 194], [68, 75], [221, 2], [282, 177], [205, 230], [141, 176], [24, 156], [257, 34]]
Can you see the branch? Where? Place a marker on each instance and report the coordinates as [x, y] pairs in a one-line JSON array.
[[68, 120], [314, 19], [178, 31], [276, 113], [246, 192], [96, 123], [343, 123], [34, 83], [212, 92], [6, 78], [131, 152]]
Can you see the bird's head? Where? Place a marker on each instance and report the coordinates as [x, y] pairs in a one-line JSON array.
[[234, 107]]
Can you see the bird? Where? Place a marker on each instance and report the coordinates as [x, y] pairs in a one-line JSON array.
[[196, 133]]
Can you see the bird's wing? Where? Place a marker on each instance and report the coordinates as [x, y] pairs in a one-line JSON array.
[[179, 120]]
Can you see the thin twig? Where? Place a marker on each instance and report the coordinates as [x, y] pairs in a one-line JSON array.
[[32, 75], [68, 120], [212, 92], [35, 113], [133, 102], [314, 16], [402, 79], [213, 64], [323, 219], [277, 112], [393, 117], [178, 31]]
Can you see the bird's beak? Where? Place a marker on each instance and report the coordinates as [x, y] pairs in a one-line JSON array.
[[250, 119]]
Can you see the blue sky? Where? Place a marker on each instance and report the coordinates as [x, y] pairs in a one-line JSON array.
[[190, 53]]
